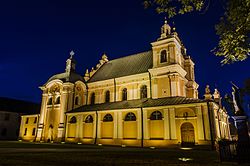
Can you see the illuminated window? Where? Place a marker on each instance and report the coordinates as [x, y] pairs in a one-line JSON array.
[[27, 121], [35, 120], [58, 100], [50, 101], [108, 118], [144, 92], [73, 120], [77, 100], [92, 99], [130, 117], [107, 96], [25, 131], [34, 131], [163, 57], [89, 119], [124, 94], [156, 115]]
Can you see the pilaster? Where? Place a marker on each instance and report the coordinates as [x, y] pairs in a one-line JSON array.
[[200, 126], [172, 123]]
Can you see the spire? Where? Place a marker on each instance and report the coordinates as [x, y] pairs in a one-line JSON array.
[[70, 63], [165, 29]]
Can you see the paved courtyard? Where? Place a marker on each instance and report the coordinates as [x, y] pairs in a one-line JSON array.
[[21, 153]]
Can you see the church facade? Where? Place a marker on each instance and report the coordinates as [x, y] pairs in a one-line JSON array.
[[146, 99]]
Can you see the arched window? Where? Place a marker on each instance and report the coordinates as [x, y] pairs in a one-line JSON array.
[[58, 100], [76, 100], [50, 101], [130, 117], [156, 115], [143, 92], [108, 118], [163, 57], [89, 119], [124, 94], [107, 96], [72, 120], [92, 99]]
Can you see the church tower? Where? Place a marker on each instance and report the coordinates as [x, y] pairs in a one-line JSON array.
[[173, 71]]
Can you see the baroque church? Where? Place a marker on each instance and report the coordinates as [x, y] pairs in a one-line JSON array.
[[144, 100]]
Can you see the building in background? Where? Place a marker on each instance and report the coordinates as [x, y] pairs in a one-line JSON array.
[[145, 99], [11, 111]]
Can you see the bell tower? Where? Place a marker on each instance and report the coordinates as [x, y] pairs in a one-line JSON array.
[[169, 73]]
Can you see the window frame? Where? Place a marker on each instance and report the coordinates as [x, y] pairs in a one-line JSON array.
[[107, 96], [88, 119], [163, 57], [73, 120], [154, 115], [128, 117], [124, 94], [92, 98], [107, 118], [143, 92]]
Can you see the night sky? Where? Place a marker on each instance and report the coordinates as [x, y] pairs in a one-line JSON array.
[[37, 36]]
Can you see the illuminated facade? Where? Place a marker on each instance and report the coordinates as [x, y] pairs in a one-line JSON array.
[[145, 99]]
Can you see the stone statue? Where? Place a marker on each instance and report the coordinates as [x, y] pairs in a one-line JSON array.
[[207, 90]]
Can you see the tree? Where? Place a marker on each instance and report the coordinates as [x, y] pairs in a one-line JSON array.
[[233, 28]]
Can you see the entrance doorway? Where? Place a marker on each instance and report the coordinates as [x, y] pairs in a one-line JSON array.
[[187, 134]]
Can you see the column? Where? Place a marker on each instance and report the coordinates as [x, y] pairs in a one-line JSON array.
[[63, 108], [99, 125], [120, 125], [154, 88], [42, 116], [145, 124], [80, 126], [174, 88], [94, 126], [200, 126], [115, 125], [206, 122], [136, 92], [172, 123], [166, 124], [139, 120]]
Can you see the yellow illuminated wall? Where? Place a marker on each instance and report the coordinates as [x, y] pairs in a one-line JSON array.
[[107, 129], [28, 128], [130, 129]]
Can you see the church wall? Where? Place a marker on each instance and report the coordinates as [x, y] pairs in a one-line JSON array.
[[160, 133]]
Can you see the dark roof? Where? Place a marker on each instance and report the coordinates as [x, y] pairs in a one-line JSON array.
[[129, 65], [19, 106], [67, 77], [137, 104]]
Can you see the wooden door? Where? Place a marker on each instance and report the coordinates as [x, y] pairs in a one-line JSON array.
[[187, 134]]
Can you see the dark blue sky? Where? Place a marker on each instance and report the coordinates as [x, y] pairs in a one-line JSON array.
[[37, 36]]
